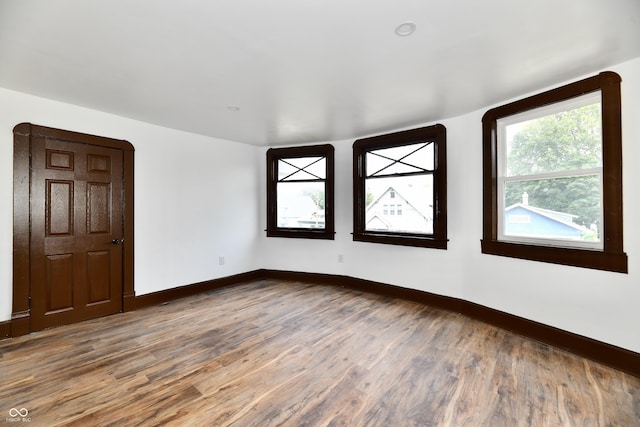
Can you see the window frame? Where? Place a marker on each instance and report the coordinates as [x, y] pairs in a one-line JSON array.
[[435, 134], [273, 156], [611, 256]]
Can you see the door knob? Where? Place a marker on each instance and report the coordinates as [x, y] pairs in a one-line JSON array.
[[117, 241]]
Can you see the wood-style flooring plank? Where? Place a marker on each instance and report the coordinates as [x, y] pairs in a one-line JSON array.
[[270, 353]]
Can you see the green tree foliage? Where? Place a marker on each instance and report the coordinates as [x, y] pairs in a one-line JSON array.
[[564, 141], [370, 198], [316, 195]]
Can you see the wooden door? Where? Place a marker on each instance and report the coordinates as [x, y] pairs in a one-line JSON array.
[[76, 231]]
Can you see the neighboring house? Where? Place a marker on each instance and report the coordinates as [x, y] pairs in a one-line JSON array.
[[300, 212], [392, 211], [524, 220]]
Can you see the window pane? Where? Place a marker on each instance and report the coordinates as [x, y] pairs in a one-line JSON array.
[[401, 159], [409, 210], [302, 168], [559, 208], [301, 204], [566, 140]]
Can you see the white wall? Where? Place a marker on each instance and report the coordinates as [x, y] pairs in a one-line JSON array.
[[194, 196], [600, 305], [181, 227]]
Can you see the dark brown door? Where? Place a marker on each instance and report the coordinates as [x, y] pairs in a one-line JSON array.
[[76, 231]]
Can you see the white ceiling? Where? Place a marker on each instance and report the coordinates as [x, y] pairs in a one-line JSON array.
[[304, 70]]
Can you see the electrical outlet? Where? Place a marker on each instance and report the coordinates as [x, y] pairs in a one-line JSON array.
[[340, 258], [220, 260]]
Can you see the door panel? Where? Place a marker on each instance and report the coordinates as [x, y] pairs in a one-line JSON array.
[[98, 277], [76, 208], [59, 278], [59, 211], [98, 211]]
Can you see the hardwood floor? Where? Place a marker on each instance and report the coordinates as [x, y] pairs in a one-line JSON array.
[[287, 353]]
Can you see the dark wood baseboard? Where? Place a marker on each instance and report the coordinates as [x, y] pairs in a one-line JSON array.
[[616, 357], [20, 323], [156, 298], [5, 329], [129, 301]]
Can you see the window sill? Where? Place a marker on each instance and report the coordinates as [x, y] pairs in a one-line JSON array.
[[301, 234], [586, 258], [401, 239]]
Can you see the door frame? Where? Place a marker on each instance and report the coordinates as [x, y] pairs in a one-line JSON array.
[[22, 134]]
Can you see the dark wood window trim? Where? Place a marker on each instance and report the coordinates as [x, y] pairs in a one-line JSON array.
[[273, 155], [436, 134], [612, 256]]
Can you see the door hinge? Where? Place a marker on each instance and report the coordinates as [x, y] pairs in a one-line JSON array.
[[29, 301]]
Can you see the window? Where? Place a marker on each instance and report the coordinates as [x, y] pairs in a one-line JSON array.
[[300, 192], [552, 176], [400, 188]]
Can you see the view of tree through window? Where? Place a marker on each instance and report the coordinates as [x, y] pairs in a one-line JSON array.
[[551, 179]]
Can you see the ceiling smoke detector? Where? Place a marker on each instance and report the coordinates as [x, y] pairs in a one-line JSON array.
[[405, 29]]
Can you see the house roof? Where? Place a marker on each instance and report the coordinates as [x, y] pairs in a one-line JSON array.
[[380, 219], [281, 72], [550, 214], [413, 201]]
